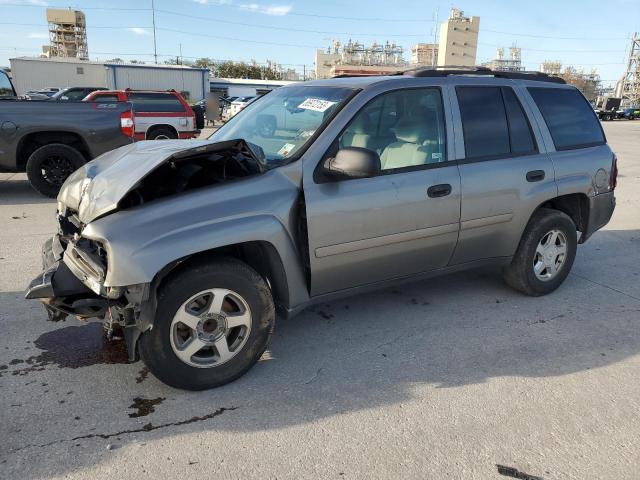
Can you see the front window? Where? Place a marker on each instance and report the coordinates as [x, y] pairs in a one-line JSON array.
[[284, 121]]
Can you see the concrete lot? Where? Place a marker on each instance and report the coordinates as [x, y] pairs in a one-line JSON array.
[[441, 379]]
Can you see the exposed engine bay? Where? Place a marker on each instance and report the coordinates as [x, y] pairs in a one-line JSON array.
[[195, 169]]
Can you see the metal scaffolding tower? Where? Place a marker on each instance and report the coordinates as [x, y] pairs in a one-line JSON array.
[[631, 78], [67, 33]]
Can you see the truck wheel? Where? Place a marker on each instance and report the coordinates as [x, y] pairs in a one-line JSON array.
[[213, 322], [545, 254], [162, 134], [49, 166]]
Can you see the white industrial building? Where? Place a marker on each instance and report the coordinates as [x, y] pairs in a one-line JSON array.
[[458, 40], [244, 87], [31, 73]]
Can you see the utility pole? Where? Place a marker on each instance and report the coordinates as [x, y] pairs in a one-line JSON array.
[[153, 19], [435, 38]]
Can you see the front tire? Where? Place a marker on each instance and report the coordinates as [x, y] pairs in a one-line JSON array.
[[213, 322], [50, 165], [545, 255]]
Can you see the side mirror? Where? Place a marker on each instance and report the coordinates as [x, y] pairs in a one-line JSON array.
[[353, 162]]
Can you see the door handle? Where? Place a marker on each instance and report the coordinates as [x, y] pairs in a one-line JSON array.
[[441, 190], [535, 175]]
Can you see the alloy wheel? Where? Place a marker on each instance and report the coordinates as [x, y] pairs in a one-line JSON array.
[[550, 255], [210, 328]]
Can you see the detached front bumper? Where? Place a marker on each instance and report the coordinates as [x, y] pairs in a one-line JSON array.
[[59, 287]]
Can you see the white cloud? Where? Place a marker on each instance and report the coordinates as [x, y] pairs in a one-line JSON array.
[[273, 10], [37, 35], [39, 3], [139, 31], [213, 2]]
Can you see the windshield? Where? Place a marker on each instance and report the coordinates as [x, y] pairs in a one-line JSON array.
[[6, 90], [284, 120]]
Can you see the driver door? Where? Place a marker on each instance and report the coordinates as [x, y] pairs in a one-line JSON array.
[[401, 222]]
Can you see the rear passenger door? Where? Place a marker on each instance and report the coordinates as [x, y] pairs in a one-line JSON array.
[[504, 174]]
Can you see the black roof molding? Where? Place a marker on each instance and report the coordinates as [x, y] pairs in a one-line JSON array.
[[445, 71]]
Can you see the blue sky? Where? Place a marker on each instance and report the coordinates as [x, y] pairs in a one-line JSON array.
[[586, 33]]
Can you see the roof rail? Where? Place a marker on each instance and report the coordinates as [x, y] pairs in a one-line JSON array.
[[445, 71]]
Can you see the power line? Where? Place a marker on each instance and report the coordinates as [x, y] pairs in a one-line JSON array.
[[89, 26], [218, 37], [302, 14], [288, 29], [552, 37], [66, 7]]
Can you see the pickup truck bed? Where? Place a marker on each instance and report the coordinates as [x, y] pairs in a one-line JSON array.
[[49, 140]]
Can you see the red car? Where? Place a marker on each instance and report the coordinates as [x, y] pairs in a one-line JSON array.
[[160, 115]]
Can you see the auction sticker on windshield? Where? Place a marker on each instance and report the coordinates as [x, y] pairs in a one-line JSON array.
[[316, 104], [286, 149]]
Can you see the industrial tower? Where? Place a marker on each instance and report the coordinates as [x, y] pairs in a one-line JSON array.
[[67, 33], [631, 80]]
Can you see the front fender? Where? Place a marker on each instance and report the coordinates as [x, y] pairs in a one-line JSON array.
[[133, 263]]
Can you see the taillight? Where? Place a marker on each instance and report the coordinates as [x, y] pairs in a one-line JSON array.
[[127, 124], [613, 176]]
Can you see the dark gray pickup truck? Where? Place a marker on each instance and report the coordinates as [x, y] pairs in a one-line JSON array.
[[49, 140]]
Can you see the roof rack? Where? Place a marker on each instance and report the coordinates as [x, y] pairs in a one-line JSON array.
[[445, 71]]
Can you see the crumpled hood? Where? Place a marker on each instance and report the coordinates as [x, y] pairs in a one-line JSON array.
[[97, 187]]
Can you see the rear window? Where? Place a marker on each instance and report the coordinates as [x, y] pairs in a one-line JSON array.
[[155, 102], [571, 120]]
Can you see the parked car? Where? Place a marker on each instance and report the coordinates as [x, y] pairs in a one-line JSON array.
[[236, 106], [160, 115], [49, 140], [631, 113], [194, 248], [74, 94]]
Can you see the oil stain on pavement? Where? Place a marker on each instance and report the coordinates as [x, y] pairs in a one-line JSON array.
[[72, 347], [145, 406]]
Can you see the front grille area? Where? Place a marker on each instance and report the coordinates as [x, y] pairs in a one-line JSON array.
[[68, 223]]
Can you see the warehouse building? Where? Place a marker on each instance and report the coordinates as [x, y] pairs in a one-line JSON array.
[[30, 73]]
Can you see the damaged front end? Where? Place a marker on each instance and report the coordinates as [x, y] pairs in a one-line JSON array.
[[76, 278], [73, 283]]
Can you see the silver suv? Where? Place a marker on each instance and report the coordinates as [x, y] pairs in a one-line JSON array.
[[321, 190]]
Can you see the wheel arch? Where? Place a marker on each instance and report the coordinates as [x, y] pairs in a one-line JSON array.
[[575, 205], [159, 126], [30, 142], [260, 255]]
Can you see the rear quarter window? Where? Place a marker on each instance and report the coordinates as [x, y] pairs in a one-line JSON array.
[[155, 102], [569, 117], [105, 98]]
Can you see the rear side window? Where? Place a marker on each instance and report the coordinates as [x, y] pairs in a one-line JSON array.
[[571, 120], [105, 98], [155, 102], [494, 124]]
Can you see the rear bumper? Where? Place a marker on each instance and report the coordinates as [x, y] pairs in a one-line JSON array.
[[185, 135], [601, 209]]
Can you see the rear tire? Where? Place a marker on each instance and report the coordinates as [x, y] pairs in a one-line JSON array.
[[186, 322], [162, 134], [545, 255], [49, 166]]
